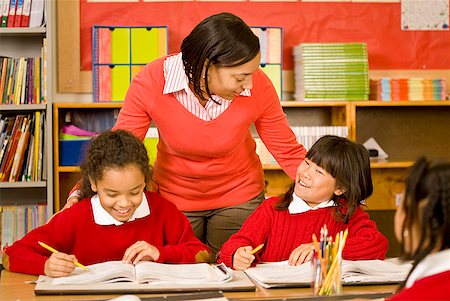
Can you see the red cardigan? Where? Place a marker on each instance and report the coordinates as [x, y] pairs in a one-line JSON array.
[[73, 231], [434, 287], [281, 232]]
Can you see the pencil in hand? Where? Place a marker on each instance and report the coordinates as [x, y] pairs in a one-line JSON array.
[[44, 245], [256, 249]]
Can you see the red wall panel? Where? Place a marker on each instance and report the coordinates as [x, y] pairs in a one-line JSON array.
[[377, 24]]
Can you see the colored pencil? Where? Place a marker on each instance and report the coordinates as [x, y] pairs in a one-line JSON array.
[[257, 249], [44, 245]]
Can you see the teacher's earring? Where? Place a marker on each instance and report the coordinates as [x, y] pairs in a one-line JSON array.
[[405, 233]]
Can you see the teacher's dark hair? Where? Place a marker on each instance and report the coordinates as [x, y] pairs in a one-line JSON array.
[[223, 40]]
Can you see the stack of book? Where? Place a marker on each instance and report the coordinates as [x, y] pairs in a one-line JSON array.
[[16, 221], [21, 145], [305, 135], [331, 71], [308, 135], [387, 89]]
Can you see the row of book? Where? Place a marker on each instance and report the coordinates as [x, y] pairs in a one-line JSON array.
[[16, 221], [306, 135], [335, 71], [387, 89], [22, 142], [22, 80], [22, 13]]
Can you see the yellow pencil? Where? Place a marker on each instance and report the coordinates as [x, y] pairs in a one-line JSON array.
[[257, 249], [55, 251]]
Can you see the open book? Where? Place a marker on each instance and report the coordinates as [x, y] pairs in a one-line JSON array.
[[146, 272], [145, 277], [361, 272]]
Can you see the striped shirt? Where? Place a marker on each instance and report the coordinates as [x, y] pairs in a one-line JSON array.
[[176, 82]]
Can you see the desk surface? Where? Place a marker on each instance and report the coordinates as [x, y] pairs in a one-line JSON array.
[[13, 287]]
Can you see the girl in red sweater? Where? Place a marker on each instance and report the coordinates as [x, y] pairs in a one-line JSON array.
[[422, 225], [329, 189], [118, 221]]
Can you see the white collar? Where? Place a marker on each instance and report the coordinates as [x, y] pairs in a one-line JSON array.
[[176, 79], [433, 264], [299, 206], [103, 218]]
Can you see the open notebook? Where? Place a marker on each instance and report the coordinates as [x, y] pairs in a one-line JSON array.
[[145, 277], [361, 272]]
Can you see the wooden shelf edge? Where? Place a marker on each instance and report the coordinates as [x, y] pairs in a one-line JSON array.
[[19, 31], [365, 103], [67, 169], [386, 164], [31, 184], [409, 103], [392, 164], [88, 105], [23, 107], [301, 103]]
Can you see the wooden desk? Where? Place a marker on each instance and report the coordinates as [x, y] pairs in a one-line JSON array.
[[13, 288]]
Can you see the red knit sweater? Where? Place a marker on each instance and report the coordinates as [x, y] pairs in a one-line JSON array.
[[281, 232], [204, 165], [434, 287], [73, 231]]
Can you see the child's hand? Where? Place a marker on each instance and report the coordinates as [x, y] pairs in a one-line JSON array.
[[140, 250], [301, 254], [59, 265], [242, 259]]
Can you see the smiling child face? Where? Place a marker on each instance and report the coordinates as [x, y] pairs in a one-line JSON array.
[[120, 191], [313, 184]]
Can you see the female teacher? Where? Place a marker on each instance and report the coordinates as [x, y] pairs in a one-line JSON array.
[[203, 101]]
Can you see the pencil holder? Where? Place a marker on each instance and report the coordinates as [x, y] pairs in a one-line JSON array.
[[326, 276], [327, 263]]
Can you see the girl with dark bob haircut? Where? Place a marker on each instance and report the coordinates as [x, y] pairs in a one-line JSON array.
[[330, 187]]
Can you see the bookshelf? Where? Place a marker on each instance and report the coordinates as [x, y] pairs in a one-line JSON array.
[[394, 125], [404, 129], [27, 42], [65, 177]]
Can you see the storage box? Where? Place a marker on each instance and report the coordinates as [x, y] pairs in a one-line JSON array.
[[72, 151]]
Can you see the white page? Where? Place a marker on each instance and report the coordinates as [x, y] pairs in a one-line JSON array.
[[361, 271], [105, 272], [148, 271], [281, 272]]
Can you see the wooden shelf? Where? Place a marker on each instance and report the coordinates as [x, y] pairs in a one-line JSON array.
[[422, 103], [23, 31], [314, 104], [387, 164], [28, 42], [373, 164], [23, 184], [67, 168], [24, 107], [65, 177], [89, 105]]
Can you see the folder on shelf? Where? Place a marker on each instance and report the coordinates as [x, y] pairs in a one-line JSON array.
[[12, 13], [18, 17], [37, 13], [26, 13], [4, 12]]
